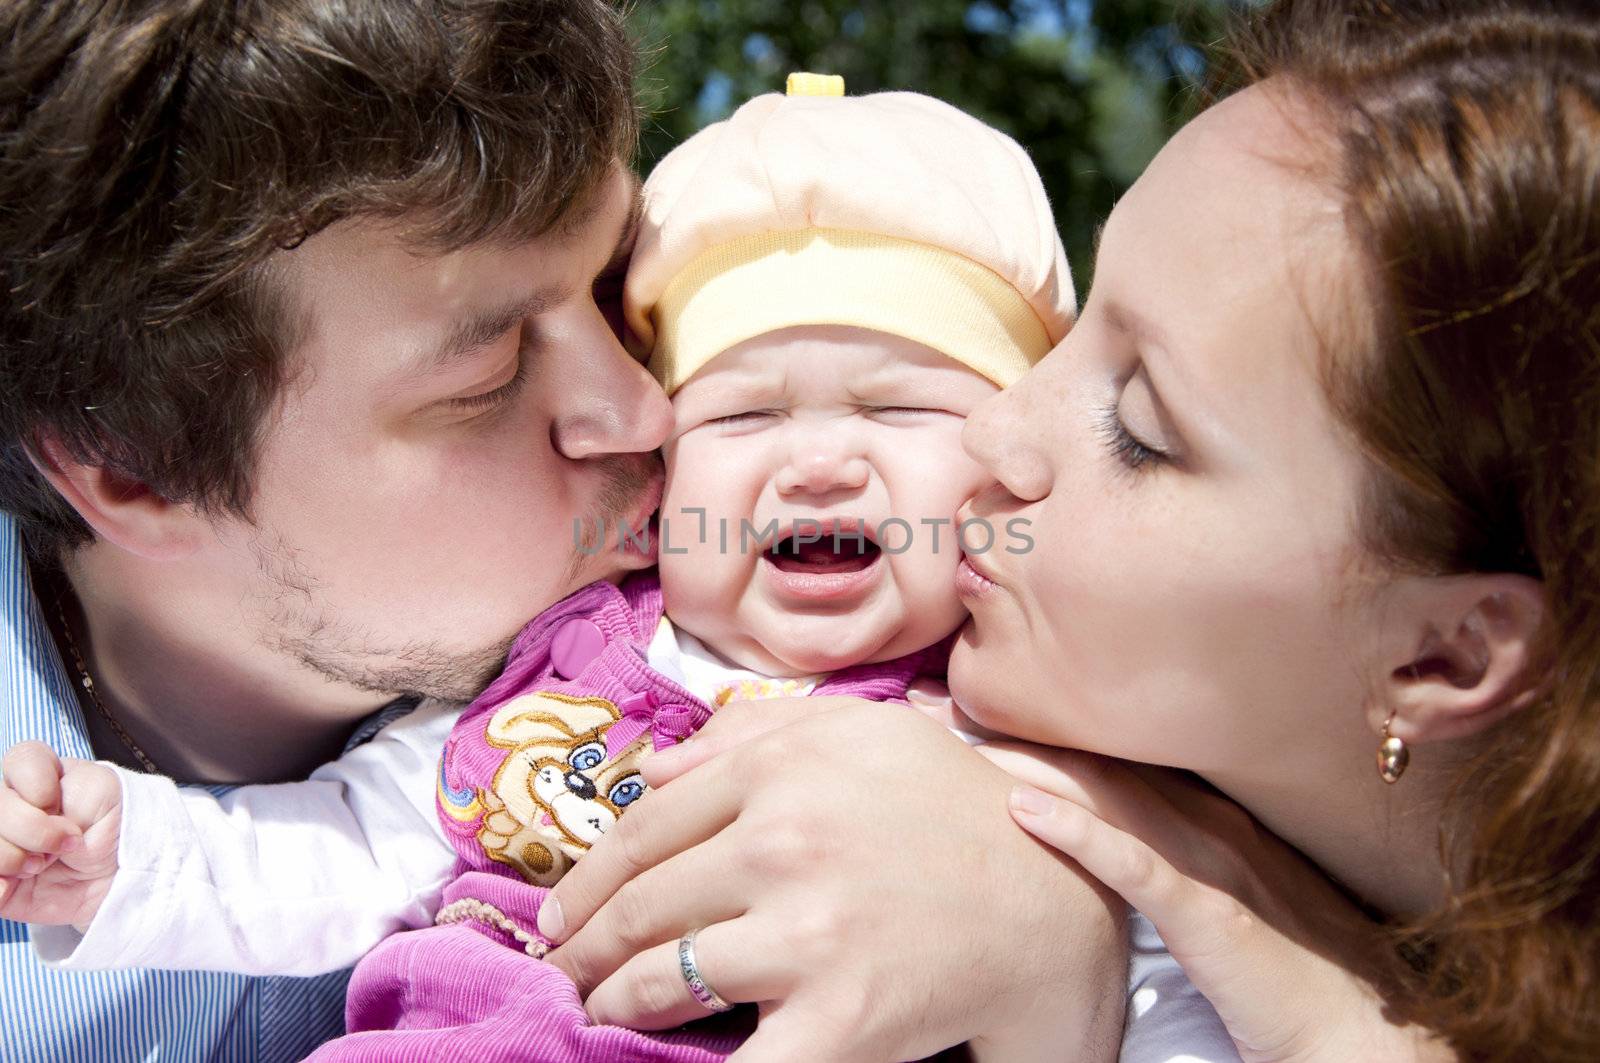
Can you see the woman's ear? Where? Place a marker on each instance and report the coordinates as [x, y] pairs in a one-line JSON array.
[[123, 512], [1474, 658]]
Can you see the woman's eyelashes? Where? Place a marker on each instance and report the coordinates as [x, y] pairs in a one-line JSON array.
[[1132, 452]]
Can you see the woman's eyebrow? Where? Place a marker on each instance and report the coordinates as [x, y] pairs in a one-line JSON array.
[[1153, 342], [1181, 396]]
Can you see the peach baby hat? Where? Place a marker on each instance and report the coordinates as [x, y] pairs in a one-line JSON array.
[[892, 212]]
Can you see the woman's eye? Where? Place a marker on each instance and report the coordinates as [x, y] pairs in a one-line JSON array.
[[1125, 446], [586, 757]]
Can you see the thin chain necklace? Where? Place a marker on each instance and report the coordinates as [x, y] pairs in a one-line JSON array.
[[87, 683]]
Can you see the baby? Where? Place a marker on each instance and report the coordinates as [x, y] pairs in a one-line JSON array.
[[826, 287]]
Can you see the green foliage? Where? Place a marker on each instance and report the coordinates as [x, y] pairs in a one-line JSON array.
[[1091, 89]]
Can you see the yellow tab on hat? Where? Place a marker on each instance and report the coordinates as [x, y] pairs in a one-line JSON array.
[[815, 85]]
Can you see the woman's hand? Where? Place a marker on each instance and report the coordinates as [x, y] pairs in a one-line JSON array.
[[856, 872], [1285, 959]]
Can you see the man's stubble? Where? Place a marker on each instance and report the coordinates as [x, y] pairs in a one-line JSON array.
[[298, 622]]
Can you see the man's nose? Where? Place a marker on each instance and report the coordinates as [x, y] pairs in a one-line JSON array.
[[614, 406], [821, 470]]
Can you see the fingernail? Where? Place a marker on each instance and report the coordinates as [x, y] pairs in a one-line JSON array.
[[674, 750], [1031, 802], [551, 921], [664, 759], [72, 844], [33, 865]]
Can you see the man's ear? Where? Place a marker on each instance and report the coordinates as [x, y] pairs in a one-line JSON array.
[[1475, 657], [124, 512]]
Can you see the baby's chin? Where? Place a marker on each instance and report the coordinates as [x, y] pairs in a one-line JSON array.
[[809, 645]]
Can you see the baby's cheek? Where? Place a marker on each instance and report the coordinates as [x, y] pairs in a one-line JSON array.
[[924, 578]]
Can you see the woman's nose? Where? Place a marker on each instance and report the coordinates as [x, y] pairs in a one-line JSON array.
[[819, 471], [1009, 436]]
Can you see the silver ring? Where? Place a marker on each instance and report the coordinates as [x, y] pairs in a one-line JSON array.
[[691, 975]]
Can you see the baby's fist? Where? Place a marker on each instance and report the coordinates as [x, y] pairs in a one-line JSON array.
[[59, 821]]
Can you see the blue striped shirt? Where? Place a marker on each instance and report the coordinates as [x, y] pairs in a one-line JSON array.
[[49, 1016]]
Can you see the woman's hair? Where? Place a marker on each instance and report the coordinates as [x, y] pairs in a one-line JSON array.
[[155, 156], [1467, 137]]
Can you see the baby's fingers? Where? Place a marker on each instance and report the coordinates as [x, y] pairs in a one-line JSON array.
[[19, 863], [33, 770], [30, 832]]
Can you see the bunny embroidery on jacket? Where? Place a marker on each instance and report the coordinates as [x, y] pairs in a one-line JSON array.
[[557, 790]]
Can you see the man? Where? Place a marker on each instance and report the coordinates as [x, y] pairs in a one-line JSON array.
[[306, 373], [306, 369]]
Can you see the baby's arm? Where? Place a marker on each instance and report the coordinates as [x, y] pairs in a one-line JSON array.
[[293, 878]]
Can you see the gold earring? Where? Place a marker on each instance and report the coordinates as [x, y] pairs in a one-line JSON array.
[[1393, 756]]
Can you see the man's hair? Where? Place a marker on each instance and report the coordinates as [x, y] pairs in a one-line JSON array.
[[156, 156]]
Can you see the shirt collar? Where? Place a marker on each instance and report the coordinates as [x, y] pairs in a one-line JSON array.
[[37, 698]]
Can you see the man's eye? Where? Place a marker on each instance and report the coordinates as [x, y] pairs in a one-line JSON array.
[[608, 297], [499, 396]]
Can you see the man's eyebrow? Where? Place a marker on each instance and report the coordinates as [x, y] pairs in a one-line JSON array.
[[572, 226], [478, 329], [1094, 244]]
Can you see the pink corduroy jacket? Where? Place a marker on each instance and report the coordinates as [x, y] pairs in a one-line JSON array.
[[532, 773]]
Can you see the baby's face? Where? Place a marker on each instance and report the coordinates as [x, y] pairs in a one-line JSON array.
[[833, 426]]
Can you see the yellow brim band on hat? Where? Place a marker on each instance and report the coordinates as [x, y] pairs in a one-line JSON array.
[[775, 280]]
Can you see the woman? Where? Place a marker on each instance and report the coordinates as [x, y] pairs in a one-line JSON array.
[[1315, 479], [1317, 474]]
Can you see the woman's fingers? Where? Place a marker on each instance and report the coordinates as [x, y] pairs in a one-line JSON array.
[[1173, 812], [734, 724], [1077, 776], [638, 916], [788, 1033], [662, 824], [1234, 958], [1142, 876], [650, 992], [1104, 786]]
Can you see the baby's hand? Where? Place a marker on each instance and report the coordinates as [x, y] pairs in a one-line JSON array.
[[59, 821]]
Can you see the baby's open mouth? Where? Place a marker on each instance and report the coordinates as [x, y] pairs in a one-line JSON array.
[[837, 547]]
